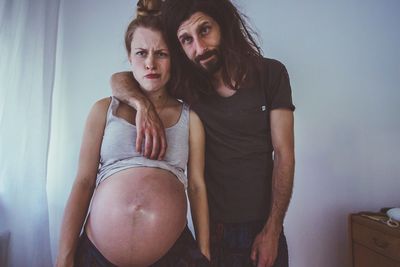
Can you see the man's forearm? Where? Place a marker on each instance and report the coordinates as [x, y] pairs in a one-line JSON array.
[[282, 186], [125, 88], [150, 129], [266, 244]]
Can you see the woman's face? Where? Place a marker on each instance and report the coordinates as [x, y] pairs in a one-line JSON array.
[[150, 59]]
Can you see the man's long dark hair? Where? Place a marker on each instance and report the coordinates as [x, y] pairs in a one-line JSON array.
[[238, 47]]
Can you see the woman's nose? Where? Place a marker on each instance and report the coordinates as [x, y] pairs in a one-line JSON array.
[[149, 63]]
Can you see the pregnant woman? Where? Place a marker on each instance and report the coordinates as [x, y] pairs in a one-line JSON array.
[[137, 215]]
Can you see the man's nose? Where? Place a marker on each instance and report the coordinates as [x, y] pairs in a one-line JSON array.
[[200, 46]]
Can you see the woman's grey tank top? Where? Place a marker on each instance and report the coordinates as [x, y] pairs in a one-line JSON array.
[[118, 150]]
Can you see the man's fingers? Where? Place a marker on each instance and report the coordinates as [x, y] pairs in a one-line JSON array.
[[155, 144], [253, 256], [155, 147], [163, 146], [147, 144], [264, 263], [139, 140], [262, 259], [261, 263]]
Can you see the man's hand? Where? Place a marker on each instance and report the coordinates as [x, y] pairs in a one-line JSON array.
[[150, 131], [265, 249]]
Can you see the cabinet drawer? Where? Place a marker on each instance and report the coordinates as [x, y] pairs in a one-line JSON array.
[[384, 244], [365, 257]]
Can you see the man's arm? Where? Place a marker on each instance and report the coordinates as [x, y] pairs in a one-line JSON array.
[[265, 246], [150, 129]]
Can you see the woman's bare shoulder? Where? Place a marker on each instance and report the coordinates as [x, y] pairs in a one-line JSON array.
[[99, 108], [102, 104]]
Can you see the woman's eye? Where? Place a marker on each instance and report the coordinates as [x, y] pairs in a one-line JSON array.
[[162, 54]]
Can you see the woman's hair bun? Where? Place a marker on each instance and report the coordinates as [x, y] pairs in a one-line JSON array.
[[149, 8]]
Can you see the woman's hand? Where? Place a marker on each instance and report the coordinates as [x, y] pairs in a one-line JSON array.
[[64, 261], [206, 252]]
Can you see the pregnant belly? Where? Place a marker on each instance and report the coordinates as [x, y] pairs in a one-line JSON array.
[[137, 215]]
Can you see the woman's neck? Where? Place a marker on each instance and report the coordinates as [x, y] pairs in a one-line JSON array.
[[158, 98]]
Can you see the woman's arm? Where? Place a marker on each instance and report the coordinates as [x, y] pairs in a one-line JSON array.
[[149, 125], [197, 188], [84, 184]]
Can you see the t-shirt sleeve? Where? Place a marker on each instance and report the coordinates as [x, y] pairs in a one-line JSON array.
[[279, 90]]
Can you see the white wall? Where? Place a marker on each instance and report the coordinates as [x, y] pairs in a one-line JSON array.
[[343, 58]]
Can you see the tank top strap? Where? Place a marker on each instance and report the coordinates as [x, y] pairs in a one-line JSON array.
[[186, 108], [185, 113]]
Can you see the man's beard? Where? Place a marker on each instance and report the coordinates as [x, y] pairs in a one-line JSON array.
[[212, 66]]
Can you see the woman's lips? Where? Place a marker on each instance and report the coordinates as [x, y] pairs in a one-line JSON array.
[[153, 76]]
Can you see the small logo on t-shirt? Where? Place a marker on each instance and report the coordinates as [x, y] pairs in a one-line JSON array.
[[263, 108]]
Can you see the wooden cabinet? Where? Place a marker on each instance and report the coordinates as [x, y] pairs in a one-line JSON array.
[[373, 243]]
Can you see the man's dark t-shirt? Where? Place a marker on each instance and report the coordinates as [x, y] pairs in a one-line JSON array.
[[239, 152]]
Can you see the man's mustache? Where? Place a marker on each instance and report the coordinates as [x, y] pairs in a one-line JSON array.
[[206, 55]]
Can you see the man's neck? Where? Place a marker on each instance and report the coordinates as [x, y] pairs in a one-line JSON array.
[[220, 87]]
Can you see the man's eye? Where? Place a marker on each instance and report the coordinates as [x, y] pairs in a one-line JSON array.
[[186, 40], [205, 30], [140, 53]]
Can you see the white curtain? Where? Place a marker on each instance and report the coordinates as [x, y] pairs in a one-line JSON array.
[[28, 38]]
